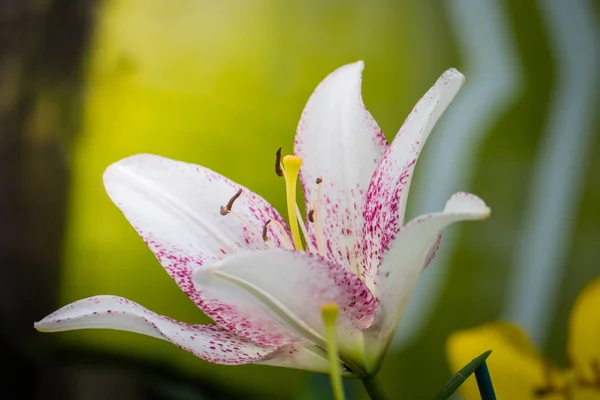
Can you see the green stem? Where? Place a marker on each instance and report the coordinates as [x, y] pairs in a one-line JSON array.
[[373, 388]]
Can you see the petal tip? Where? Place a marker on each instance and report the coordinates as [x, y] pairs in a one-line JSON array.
[[357, 66], [44, 325], [468, 204], [360, 65], [350, 72], [452, 74], [450, 82]]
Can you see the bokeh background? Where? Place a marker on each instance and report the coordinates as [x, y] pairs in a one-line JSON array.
[[222, 84]]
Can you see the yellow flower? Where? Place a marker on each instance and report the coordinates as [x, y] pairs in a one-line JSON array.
[[519, 372]]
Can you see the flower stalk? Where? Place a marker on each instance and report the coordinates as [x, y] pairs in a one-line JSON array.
[[373, 388]]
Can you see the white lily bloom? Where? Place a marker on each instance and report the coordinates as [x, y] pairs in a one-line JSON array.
[[246, 269]]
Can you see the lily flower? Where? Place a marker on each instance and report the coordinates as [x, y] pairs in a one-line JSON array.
[[263, 281], [519, 371]]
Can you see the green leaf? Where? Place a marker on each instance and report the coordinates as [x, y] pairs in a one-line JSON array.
[[461, 376]]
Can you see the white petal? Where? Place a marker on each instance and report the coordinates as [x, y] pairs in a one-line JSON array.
[[275, 297], [388, 190], [409, 253], [339, 140], [308, 358], [174, 206], [208, 342]]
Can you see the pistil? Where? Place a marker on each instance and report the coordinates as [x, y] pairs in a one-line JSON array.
[[292, 166]]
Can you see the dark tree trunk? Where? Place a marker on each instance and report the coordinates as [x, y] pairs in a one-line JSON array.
[[41, 49]]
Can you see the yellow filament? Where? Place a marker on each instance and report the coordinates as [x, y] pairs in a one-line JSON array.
[[292, 166], [317, 206]]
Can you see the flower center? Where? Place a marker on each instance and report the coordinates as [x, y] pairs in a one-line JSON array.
[[289, 168]]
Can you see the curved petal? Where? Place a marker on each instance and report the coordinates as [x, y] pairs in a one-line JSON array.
[[340, 142], [409, 253], [584, 334], [388, 189], [517, 370], [274, 297], [174, 206], [208, 342]]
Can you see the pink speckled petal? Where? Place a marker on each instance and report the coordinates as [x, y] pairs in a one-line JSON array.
[[408, 254], [274, 297], [208, 342], [174, 206], [388, 190], [339, 140]]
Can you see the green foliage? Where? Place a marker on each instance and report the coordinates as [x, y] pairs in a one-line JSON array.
[[461, 376]]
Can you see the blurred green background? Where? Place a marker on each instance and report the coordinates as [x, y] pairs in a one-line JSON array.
[[222, 84]]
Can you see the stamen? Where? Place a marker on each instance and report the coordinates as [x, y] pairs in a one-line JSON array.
[[281, 232], [292, 166], [315, 207], [264, 231], [226, 209], [283, 236], [278, 169], [250, 226], [311, 247]]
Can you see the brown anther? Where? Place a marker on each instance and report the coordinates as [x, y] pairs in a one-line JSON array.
[[278, 169], [264, 231], [319, 180], [311, 215], [227, 208]]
